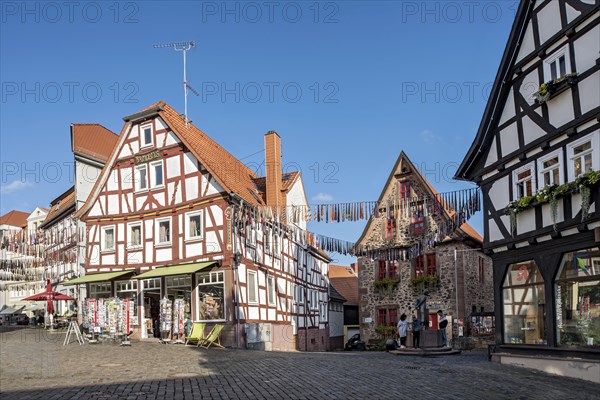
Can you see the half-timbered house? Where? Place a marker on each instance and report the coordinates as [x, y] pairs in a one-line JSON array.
[[536, 156], [174, 216], [415, 247]]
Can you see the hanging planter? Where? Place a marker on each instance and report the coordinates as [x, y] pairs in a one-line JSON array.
[[385, 287], [550, 89]]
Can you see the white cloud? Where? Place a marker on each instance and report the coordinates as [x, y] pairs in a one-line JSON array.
[[14, 186], [429, 137], [323, 197]]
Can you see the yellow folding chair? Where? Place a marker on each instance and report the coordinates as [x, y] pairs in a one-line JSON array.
[[197, 334], [212, 338]]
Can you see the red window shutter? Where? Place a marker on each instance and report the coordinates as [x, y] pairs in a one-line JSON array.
[[382, 314], [405, 190], [431, 264], [381, 269], [390, 230], [419, 265], [392, 269], [392, 316]]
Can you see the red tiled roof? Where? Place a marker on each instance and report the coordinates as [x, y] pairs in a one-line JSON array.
[[470, 231], [287, 181], [93, 140], [345, 282], [334, 294], [60, 205], [14, 218]]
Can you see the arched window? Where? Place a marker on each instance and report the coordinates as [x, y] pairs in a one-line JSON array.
[[577, 297], [524, 305]]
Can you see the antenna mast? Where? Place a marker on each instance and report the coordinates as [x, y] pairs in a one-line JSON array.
[[183, 47]]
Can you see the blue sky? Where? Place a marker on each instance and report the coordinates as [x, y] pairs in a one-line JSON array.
[[346, 84]]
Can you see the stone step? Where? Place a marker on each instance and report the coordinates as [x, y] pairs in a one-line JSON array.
[[433, 351]]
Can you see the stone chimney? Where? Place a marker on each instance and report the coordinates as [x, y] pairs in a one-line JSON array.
[[273, 168]]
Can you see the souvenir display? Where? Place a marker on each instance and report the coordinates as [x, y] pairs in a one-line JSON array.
[[166, 315]]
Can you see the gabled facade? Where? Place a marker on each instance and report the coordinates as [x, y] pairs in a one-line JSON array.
[[170, 212], [344, 279], [456, 271], [534, 157]]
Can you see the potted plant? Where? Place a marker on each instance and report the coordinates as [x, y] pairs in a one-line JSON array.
[[385, 287]]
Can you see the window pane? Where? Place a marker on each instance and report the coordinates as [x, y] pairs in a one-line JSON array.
[[147, 135], [549, 163], [562, 65], [211, 304], [136, 235], [143, 178], [252, 288], [164, 231], [194, 226], [553, 70], [158, 175], [582, 147], [578, 299], [524, 174], [109, 238], [587, 161]]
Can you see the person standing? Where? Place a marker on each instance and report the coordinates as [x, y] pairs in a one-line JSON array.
[[443, 323], [402, 330], [416, 329]]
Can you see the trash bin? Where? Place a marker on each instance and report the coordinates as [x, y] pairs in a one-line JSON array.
[[360, 345]]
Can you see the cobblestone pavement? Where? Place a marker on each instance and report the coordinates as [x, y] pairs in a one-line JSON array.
[[35, 365]]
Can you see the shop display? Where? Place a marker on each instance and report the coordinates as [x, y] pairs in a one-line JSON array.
[[107, 316]]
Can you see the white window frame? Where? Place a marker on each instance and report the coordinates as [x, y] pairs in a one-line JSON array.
[[563, 51], [143, 143], [188, 217], [138, 177], [541, 170], [314, 299], [516, 172], [252, 275], [594, 138], [152, 167], [209, 278], [103, 247], [130, 245], [157, 232], [271, 291]]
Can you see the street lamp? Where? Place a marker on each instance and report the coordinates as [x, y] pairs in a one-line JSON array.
[[237, 259]]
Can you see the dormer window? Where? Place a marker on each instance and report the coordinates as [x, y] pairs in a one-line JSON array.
[[557, 65]]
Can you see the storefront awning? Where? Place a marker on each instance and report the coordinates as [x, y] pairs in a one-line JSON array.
[[101, 277], [176, 270]]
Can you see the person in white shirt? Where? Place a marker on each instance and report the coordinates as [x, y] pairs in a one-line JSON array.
[[403, 330]]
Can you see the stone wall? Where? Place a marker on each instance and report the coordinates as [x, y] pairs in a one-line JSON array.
[[318, 339]]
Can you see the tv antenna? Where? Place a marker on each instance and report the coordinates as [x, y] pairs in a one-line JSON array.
[[183, 47]]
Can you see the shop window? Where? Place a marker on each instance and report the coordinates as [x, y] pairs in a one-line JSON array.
[[387, 269], [163, 231], [211, 300], [108, 238], [578, 299], [252, 287], [271, 290], [583, 155], [100, 290], [524, 305], [135, 235], [387, 316], [550, 169], [180, 288], [524, 181], [128, 290], [193, 225], [146, 135]]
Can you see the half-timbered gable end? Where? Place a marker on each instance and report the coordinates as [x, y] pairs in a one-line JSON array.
[[172, 202], [411, 215], [536, 157]]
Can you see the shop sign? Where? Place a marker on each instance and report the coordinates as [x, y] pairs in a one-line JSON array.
[[143, 158]]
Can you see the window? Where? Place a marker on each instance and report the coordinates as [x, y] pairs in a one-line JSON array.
[[100, 290], [128, 290], [193, 229], [550, 169], [252, 287], [578, 299], [387, 269], [390, 228], [524, 305], [299, 294], [387, 316], [557, 65], [425, 265], [108, 238], [524, 182], [156, 173], [314, 300], [135, 235], [163, 231], [146, 135], [324, 311], [142, 177], [418, 223], [271, 290], [405, 190], [211, 299], [584, 156]]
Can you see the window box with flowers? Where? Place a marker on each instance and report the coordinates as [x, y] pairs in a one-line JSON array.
[[422, 282], [551, 195], [386, 286], [552, 88]]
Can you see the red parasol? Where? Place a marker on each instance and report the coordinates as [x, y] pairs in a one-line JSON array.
[[49, 295]]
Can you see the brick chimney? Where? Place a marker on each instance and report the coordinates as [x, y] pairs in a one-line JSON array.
[[273, 167]]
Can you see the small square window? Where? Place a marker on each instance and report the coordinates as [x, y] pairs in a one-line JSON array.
[[146, 134]]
